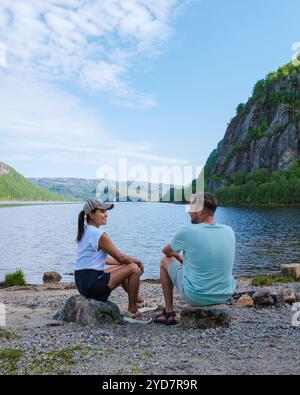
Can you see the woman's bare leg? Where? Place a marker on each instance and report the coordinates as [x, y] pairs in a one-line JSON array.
[[124, 284], [129, 272]]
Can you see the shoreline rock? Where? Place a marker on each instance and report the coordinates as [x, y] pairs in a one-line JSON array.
[[51, 277], [89, 312], [205, 317], [292, 270]]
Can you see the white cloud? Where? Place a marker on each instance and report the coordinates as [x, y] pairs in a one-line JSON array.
[[93, 43], [86, 43], [39, 121]]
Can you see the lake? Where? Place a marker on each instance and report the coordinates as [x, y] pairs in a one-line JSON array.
[[40, 238]]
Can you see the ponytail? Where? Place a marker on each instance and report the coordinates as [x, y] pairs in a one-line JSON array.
[[80, 226]]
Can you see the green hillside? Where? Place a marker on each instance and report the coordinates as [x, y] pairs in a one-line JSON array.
[[13, 186]]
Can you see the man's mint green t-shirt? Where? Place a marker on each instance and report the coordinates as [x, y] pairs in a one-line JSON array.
[[208, 252]]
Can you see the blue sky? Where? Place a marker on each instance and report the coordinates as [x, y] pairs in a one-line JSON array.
[[156, 82]]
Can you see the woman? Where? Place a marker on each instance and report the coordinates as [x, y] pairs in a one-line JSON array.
[[92, 279]]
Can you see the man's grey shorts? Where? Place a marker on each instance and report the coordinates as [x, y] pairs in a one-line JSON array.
[[175, 270]]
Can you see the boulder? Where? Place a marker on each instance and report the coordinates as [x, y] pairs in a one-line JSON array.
[[263, 297], [292, 269], [237, 295], [205, 317], [87, 312], [244, 301], [289, 295], [278, 299], [51, 277], [296, 287]]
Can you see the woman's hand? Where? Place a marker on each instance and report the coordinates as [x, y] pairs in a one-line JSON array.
[[129, 259], [141, 267]]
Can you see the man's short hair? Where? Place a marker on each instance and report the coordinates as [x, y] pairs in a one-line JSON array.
[[205, 201], [210, 202]]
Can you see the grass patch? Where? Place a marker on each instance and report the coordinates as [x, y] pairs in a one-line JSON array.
[[7, 334], [284, 279], [11, 353], [61, 361], [13, 279], [50, 361], [9, 358], [266, 280]]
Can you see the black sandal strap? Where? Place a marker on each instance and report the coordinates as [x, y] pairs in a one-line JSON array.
[[171, 314]]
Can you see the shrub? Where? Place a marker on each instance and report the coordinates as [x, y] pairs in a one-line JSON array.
[[266, 280], [284, 279], [261, 280], [240, 108], [17, 278]]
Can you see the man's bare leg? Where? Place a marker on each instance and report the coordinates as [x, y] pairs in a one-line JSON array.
[[166, 283]]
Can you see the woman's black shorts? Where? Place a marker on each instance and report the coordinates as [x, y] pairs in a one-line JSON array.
[[93, 284]]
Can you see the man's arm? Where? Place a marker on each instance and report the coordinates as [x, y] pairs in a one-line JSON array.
[[168, 251]]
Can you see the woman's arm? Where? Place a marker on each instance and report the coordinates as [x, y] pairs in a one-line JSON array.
[[106, 245], [112, 261]]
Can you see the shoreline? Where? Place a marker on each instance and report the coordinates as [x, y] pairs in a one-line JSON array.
[[145, 280], [258, 341], [240, 206]]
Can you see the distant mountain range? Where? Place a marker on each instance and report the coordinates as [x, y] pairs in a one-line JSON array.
[[13, 186], [84, 189]]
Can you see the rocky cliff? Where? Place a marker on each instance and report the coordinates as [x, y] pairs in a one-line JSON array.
[[264, 134]]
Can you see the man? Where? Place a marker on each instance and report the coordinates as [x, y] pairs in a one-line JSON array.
[[203, 274]]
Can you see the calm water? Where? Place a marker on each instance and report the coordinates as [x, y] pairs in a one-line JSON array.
[[41, 238]]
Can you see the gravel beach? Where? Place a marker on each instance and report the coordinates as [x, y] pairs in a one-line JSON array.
[[259, 340]]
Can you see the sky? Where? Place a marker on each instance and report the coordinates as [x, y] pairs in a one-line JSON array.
[[84, 83]]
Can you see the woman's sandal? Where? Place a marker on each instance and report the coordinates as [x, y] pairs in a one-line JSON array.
[[146, 306], [164, 318], [136, 318]]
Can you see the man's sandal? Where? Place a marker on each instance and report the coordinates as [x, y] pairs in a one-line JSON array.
[[166, 318]]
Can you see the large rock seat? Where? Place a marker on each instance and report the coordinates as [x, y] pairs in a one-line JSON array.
[[88, 312], [205, 317]]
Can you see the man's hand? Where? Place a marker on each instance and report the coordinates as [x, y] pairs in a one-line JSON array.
[[178, 257], [170, 253]]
